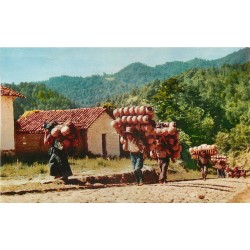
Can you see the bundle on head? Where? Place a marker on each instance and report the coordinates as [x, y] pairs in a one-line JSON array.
[[138, 119], [168, 143], [208, 149], [221, 159]]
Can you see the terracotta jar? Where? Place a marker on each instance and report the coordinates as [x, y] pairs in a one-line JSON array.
[[122, 140], [121, 112], [116, 113], [139, 118], [132, 111], [151, 140], [126, 111], [145, 119], [65, 130], [137, 110], [129, 119], [119, 120], [113, 124], [171, 130], [56, 132], [134, 120], [165, 131], [142, 110], [149, 111], [124, 119]]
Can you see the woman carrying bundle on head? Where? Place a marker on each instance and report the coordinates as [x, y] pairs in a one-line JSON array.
[[136, 148], [203, 161], [58, 162]]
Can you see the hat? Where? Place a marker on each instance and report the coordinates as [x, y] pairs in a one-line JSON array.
[[129, 130]]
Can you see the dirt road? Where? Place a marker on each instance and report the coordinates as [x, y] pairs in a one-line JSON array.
[[212, 190]]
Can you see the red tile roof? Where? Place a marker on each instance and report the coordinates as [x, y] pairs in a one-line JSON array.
[[9, 92], [81, 118]]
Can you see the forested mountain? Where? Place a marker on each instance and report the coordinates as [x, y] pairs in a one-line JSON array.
[[208, 104], [38, 97], [89, 91]]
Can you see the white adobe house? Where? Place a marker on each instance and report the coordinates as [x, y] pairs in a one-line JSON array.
[[7, 119]]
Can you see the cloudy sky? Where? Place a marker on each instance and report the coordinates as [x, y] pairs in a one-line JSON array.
[[35, 64]]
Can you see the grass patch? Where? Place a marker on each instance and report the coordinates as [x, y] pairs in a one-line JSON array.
[[94, 166]]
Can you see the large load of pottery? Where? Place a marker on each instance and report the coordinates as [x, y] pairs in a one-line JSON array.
[[222, 159], [167, 137], [209, 149], [66, 134], [140, 120]]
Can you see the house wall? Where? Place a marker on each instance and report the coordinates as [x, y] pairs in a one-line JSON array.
[[30, 144], [33, 144], [94, 136], [7, 123]]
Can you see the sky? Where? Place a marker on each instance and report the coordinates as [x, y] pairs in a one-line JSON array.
[[38, 64]]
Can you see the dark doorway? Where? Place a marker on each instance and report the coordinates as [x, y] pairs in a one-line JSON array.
[[104, 145]]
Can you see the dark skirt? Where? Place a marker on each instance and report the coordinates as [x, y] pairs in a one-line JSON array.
[[58, 162]]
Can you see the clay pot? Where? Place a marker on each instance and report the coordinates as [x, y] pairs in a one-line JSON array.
[[121, 112], [143, 128], [171, 130], [142, 110], [118, 120], [124, 119], [116, 113], [149, 111], [122, 140], [151, 140], [166, 124], [165, 131], [172, 124], [137, 110], [176, 147], [199, 148], [145, 119], [124, 147], [158, 131], [132, 111], [129, 119], [126, 111], [134, 120], [137, 127], [66, 143], [152, 154], [56, 132], [139, 118], [65, 130], [148, 127], [176, 155], [113, 124], [190, 150], [152, 146]]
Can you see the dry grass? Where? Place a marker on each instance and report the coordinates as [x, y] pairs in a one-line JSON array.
[[89, 166]]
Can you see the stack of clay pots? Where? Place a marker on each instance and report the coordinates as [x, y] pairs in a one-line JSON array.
[[140, 120], [209, 149], [66, 134], [219, 158], [168, 137]]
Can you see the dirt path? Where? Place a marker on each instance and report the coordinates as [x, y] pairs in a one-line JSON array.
[[212, 190]]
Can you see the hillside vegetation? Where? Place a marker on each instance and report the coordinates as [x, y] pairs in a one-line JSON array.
[[90, 91]]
